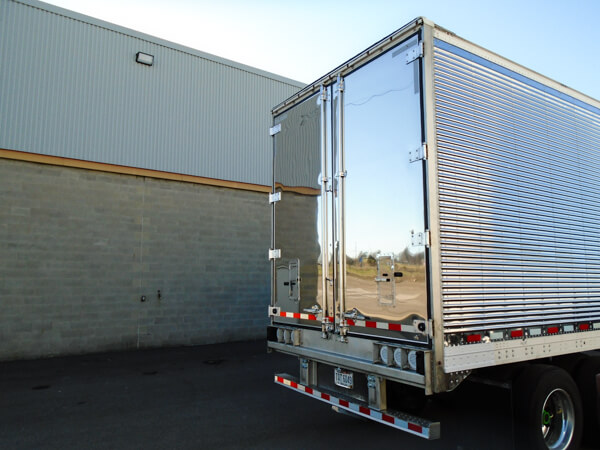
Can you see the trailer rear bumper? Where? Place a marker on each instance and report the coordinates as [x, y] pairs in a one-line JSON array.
[[358, 354], [411, 424]]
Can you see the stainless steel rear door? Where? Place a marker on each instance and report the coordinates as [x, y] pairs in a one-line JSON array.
[[349, 168], [384, 195], [297, 183]]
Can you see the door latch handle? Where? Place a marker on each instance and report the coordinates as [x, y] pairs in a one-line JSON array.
[[316, 309], [354, 314]]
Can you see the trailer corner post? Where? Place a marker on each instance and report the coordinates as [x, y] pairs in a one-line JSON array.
[[438, 381]]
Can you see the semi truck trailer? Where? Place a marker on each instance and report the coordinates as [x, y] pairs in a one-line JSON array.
[[436, 219]]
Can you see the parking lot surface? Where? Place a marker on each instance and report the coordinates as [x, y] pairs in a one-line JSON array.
[[216, 396]]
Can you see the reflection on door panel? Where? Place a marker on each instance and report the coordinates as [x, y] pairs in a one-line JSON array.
[[385, 279], [386, 274], [387, 287], [294, 281], [296, 174], [296, 272]]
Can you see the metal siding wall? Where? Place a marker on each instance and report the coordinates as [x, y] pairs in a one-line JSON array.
[[519, 199], [73, 89]]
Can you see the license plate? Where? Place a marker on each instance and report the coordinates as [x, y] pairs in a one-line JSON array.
[[344, 379]]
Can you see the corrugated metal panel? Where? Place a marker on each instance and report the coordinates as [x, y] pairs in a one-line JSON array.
[[298, 146], [519, 198], [73, 89]]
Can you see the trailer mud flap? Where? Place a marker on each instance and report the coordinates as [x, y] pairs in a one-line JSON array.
[[411, 424]]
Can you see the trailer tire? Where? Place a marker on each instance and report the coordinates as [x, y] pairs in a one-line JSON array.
[[547, 410], [589, 389]]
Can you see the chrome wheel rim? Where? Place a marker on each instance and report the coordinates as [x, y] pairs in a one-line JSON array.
[[558, 419]]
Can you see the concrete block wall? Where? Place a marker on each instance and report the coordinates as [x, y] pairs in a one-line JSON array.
[[79, 248]]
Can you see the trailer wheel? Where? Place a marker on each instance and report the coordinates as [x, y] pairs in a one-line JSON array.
[[547, 409], [588, 381]]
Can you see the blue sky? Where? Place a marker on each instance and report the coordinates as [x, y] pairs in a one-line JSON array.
[[305, 39]]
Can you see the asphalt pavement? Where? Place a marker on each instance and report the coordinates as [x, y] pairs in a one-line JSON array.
[[211, 397]]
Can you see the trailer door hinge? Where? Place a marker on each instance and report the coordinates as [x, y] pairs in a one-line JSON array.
[[418, 154], [275, 197], [414, 53], [274, 253], [420, 239], [323, 93], [274, 130]]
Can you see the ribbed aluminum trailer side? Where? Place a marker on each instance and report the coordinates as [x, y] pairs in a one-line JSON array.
[[436, 217]]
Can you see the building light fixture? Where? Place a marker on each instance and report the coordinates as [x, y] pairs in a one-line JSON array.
[[144, 58]]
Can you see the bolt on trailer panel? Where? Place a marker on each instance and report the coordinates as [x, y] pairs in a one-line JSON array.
[[349, 212], [518, 165]]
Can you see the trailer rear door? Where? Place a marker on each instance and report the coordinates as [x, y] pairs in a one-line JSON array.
[[350, 218], [296, 183], [384, 195]]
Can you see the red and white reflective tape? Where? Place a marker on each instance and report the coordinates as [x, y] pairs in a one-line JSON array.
[[427, 430], [381, 325], [351, 322], [290, 315]]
